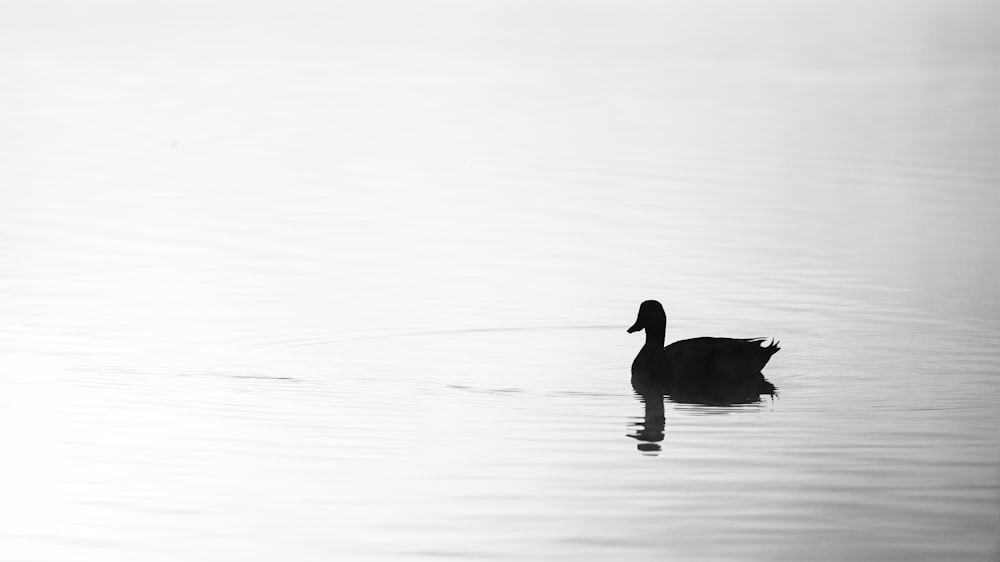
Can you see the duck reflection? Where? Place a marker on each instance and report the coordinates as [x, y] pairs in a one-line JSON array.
[[649, 430], [706, 371]]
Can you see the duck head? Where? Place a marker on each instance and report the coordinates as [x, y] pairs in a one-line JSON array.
[[651, 318]]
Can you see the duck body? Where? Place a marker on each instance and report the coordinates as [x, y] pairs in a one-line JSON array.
[[699, 370]]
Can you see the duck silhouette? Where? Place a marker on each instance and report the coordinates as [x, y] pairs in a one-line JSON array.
[[712, 371]]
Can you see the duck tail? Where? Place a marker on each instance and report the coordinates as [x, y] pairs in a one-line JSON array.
[[773, 347], [767, 351]]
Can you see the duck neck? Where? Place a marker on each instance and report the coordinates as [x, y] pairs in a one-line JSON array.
[[650, 357], [654, 339]]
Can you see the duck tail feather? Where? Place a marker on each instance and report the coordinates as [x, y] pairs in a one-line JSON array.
[[774, 346]]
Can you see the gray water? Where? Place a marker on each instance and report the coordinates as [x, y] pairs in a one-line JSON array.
[[311, 282]]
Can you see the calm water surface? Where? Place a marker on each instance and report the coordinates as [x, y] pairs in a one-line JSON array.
[[311, 283]]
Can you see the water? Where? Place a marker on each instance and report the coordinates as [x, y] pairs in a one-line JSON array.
[[311, 282]]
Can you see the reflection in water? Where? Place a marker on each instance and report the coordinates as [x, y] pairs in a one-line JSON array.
[[649, 431]]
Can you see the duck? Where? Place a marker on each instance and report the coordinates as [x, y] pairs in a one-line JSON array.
[[706, 370]]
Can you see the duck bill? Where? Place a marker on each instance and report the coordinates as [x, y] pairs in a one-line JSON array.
[[635, 327]]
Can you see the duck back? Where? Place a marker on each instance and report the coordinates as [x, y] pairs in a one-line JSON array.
[[725, 358]]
